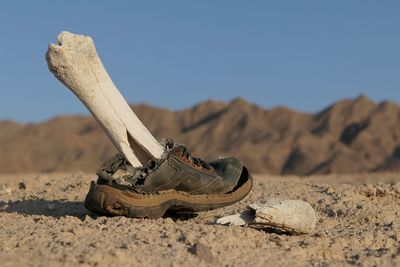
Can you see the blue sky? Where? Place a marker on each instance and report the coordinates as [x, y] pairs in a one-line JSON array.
[[301, 54]]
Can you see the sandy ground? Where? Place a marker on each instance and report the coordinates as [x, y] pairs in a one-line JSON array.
[[44, 223]]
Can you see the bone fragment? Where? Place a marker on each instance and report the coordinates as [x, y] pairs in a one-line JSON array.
[[243, 218], [292, 216], [75, 62]]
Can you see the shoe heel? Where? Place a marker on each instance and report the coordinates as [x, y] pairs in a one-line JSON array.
[[94, 200], [105, 203]]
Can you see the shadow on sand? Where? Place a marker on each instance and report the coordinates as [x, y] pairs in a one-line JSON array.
[[53, 208], [61, 208]]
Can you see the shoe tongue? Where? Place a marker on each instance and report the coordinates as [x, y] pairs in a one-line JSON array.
[[113, 164]]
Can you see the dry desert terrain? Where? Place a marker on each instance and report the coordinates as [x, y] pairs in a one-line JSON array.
[[44, 223]]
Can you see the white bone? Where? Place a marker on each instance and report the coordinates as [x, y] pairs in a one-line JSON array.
[[293, 216], [243, 218], [75, 62]]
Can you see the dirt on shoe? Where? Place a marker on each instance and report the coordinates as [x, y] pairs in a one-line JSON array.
[[176, 182], [108, 200]]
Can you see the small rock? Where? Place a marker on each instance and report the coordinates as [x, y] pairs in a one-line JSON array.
[[3, 205], [396, 188], [370, 190], [8, 190], [303, 243], [22, 186], [277, 240], [51, 206], [340, 213], [330, 212], [381, 191], [353, 258], [203, 252]]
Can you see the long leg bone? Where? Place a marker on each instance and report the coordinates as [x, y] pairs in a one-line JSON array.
[[74, 61]]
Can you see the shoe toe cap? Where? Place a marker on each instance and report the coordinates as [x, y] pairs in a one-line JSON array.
[[229, 169]]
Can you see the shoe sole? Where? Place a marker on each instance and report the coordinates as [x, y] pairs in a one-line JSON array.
[[107, 200]]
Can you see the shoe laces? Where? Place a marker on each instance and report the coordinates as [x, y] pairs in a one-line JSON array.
[[196, 161], [169, 144]]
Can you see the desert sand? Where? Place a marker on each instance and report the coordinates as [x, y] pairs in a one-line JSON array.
[[44, 223]]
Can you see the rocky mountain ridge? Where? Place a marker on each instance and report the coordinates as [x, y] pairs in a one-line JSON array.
[[350, 136]]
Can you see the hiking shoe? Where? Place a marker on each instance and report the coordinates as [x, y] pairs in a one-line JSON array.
[[176, 182]]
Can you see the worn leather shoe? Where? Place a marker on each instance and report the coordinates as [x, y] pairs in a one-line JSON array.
[[177, 182]]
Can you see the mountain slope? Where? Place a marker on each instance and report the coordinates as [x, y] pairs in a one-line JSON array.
[[349, 136]]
